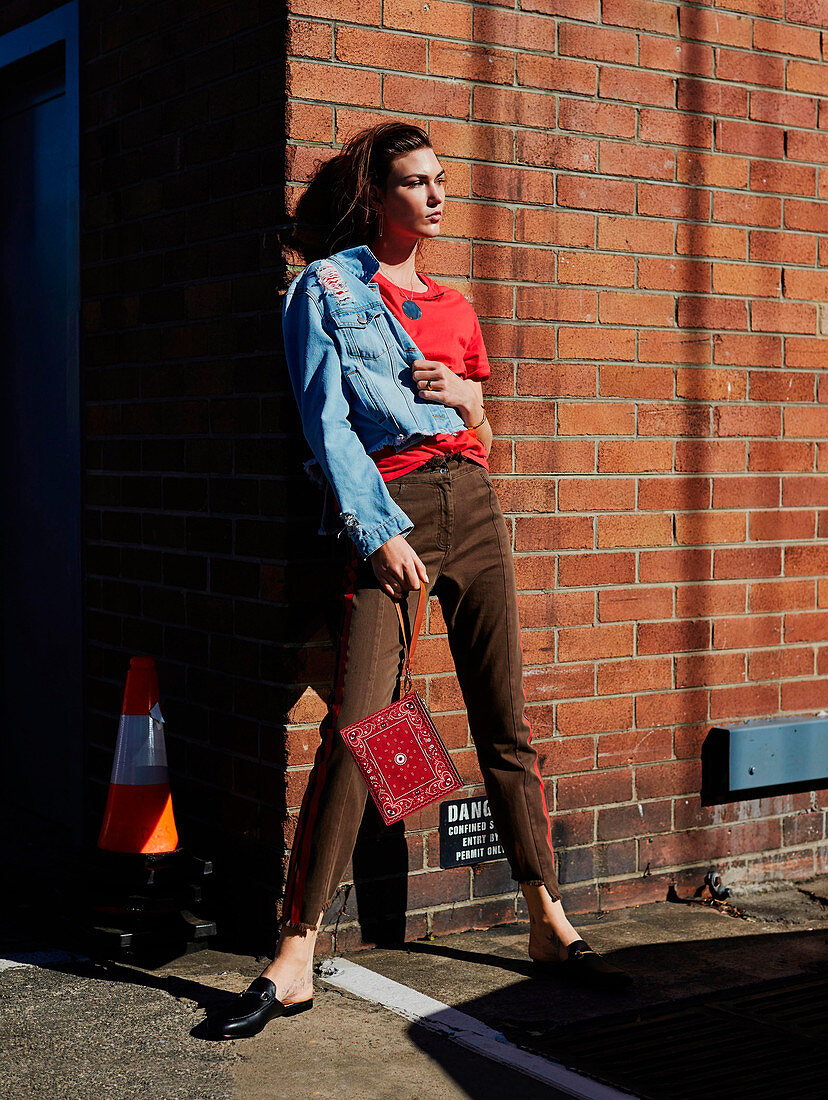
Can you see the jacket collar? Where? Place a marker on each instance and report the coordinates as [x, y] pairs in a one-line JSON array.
[[359, 261], [362, 263]]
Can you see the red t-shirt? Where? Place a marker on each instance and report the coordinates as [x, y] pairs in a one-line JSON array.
[[448, 331]]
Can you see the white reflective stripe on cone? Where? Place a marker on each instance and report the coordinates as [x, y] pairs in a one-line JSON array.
[[140, 755]]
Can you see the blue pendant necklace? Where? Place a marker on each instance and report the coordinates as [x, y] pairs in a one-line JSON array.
[[410, 307]]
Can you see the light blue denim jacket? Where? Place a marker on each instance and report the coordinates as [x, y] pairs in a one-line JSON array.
[[349, 361]]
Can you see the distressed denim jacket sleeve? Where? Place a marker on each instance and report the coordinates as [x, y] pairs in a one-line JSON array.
[[367, 511]]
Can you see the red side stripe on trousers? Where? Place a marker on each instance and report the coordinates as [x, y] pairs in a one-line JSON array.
[[300, 852], [537, 768]]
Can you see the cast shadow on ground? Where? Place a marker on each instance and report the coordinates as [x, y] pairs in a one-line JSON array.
[[693, 1003]]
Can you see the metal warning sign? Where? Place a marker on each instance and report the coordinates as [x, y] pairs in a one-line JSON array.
[[467, 833]]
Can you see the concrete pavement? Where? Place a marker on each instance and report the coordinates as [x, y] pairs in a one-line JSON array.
[[77, 1028]]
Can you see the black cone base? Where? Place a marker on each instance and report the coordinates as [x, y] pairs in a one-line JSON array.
[[143, 907]]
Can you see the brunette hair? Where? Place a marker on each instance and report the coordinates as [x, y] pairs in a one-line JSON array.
[[335, 211]]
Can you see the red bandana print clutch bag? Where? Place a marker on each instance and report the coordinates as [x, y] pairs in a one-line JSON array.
[[399, 752]]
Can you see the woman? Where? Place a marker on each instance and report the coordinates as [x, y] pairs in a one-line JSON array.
[[387, 367]]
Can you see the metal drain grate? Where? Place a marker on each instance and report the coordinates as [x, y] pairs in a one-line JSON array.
[[767, 1042]]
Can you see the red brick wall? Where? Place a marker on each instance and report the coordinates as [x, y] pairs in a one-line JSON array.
[[637, 193], [661, 439], [191, 429]]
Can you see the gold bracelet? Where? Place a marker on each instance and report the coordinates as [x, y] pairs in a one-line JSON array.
[[472, 426]]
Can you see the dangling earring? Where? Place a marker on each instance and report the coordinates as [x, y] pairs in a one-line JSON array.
[[380, 224]]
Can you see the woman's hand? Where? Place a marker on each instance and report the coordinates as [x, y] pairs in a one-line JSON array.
[[397, 567], [437, 382], [447, 388]]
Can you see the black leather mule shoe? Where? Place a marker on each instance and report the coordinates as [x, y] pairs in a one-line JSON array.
[[582, 964], [249, 1012]]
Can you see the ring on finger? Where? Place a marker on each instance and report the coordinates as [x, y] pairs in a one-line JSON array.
[[428, 384]]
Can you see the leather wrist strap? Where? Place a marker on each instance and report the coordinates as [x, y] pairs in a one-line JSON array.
[[411, 645]]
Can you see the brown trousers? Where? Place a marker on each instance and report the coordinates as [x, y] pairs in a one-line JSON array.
[[461, 536]]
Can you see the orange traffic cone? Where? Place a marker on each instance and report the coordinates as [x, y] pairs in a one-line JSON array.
[[139, 814]]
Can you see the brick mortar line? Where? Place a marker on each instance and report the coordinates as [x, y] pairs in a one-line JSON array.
[[599, 138], [528, 554], [596, 63], [569, 513], [586, 135], [516, 207], [561, 738], [556, 21], [594, 135], [540, 90], [596, 98], [574, 95]]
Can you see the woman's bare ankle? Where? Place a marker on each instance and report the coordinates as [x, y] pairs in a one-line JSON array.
[[550, 931], [292, 968]]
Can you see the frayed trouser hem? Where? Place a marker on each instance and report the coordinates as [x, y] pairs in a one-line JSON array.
[[295, 926], [554, 894]]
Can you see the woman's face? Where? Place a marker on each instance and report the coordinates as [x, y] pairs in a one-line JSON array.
[[412, 203]]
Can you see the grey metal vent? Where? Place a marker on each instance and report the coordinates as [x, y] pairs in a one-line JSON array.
[[762, 757]]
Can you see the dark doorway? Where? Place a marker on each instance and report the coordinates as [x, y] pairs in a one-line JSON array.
[[40, 469]]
